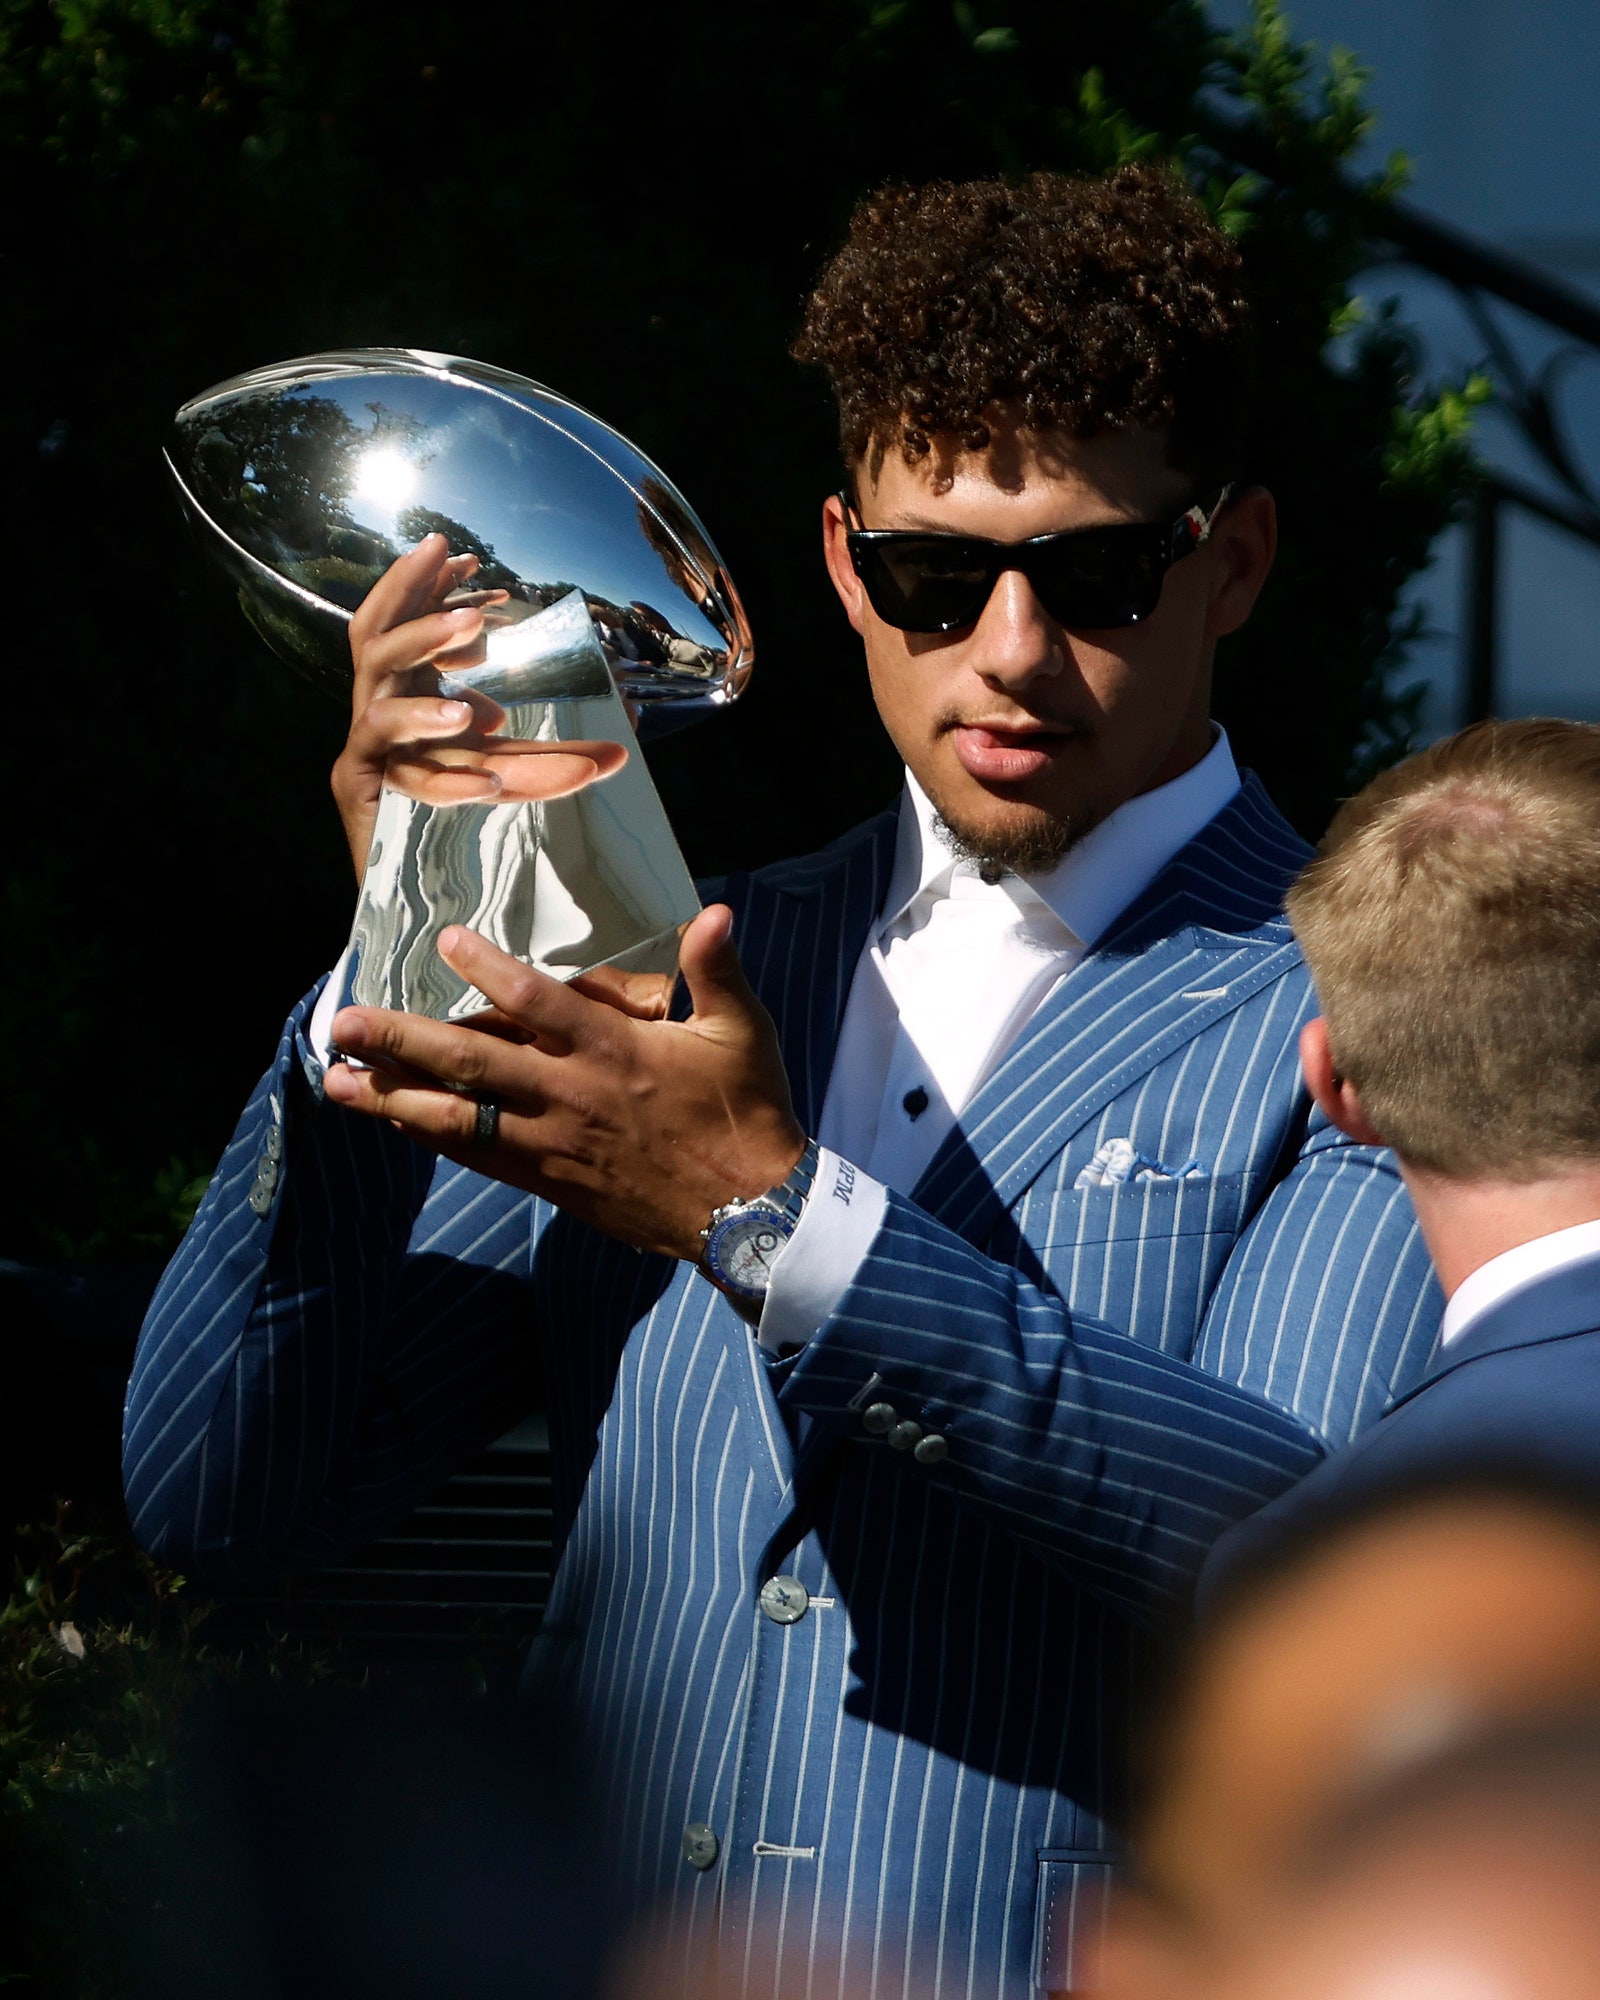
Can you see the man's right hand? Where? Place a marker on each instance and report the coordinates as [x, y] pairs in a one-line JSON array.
[[403, 733]]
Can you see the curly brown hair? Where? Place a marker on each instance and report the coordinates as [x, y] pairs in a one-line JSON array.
[[1082, 304]]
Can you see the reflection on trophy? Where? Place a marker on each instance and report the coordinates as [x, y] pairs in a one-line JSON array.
[[308, 479]]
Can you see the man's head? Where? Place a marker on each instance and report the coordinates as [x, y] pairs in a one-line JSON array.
[[1370, 1638], [1452, 926], [1021, 360], [1472, 1875]]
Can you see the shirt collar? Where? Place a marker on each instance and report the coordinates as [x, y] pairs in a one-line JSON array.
[[1098, 878], [1513, 1271]]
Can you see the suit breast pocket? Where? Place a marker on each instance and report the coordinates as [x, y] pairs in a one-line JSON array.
[[1073, 1895], [1145, 1255]]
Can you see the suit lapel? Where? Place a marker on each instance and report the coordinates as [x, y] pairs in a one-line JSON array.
[[800, 932], [1206, 935]]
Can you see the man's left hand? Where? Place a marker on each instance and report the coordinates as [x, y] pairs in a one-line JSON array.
[[637, 1124]]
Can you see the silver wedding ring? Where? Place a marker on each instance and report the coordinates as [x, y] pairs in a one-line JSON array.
[[487, 1124]]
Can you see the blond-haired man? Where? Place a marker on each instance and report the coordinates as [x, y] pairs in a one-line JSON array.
[[1445, 1567], [1451, 922]]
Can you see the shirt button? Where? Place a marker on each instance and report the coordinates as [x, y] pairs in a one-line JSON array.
[[784, 1599], [904, 1436], [700, 1845], [931, 1449], [878, 1418]]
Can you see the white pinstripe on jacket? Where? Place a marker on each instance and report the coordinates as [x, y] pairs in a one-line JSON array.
[[909, 1785]]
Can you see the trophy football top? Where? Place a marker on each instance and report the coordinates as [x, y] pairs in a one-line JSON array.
[[307, 479]]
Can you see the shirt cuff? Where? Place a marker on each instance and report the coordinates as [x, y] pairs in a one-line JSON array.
[[818, 1264], [319, 1029]]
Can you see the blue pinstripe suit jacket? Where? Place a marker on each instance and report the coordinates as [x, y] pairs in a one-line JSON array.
[[913, 1779]]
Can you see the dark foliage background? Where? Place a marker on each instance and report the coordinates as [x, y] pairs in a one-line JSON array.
[[627, 203]]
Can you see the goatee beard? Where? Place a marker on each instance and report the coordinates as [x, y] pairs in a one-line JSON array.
[[1023, 850]]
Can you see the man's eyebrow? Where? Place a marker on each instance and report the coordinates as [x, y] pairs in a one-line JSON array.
[[920, 524]]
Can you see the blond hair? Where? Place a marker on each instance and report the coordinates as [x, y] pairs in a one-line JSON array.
[[1451, 921]]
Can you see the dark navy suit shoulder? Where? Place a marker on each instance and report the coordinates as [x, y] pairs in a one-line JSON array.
[[1521, 1389]]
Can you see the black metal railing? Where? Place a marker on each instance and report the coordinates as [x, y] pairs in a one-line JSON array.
[[1402, 236], [1528, 397]]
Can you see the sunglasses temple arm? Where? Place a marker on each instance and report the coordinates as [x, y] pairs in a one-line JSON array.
[[1210, 520]]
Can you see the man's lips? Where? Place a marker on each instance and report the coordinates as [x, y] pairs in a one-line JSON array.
[[1005, 756]]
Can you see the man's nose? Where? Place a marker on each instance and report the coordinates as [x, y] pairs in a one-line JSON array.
[[1016, 641]]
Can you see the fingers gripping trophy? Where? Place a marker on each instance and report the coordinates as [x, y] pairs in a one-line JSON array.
[[517, 583]]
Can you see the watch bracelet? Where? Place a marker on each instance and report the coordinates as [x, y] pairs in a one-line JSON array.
[[789, 1196]]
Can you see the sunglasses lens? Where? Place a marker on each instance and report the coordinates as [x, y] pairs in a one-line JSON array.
[[931, 584], [1096, 582]]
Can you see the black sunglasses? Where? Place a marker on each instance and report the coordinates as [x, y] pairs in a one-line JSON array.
[[1088, 578]]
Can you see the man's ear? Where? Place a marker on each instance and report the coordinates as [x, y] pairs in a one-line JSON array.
[[1244, 542], [841, 571], [1336, 1096]]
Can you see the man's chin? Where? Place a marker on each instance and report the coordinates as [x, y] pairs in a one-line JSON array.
[[1021, 840]]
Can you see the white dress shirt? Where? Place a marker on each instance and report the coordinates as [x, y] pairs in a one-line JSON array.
[[1513, 1271], [951, 973]]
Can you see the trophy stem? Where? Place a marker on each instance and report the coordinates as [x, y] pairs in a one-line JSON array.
[[566, 884]]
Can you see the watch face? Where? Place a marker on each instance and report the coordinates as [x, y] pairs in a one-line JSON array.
[[741, 1249]]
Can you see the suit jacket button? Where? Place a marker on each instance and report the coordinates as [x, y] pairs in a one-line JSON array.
[[904, 1436], [273, 1145], [700, 1845], [784, 1599], [261, 1197], [931, 1449], [878, 1418]]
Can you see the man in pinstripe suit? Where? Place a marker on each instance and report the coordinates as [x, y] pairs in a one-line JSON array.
[[867, 1483]]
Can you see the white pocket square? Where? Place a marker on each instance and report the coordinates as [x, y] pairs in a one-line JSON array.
[[1118, 1161]]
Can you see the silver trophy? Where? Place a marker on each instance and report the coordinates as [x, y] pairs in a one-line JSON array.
[[308, 479]]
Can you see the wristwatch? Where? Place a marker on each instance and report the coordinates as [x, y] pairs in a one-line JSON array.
[[744, 1237]]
